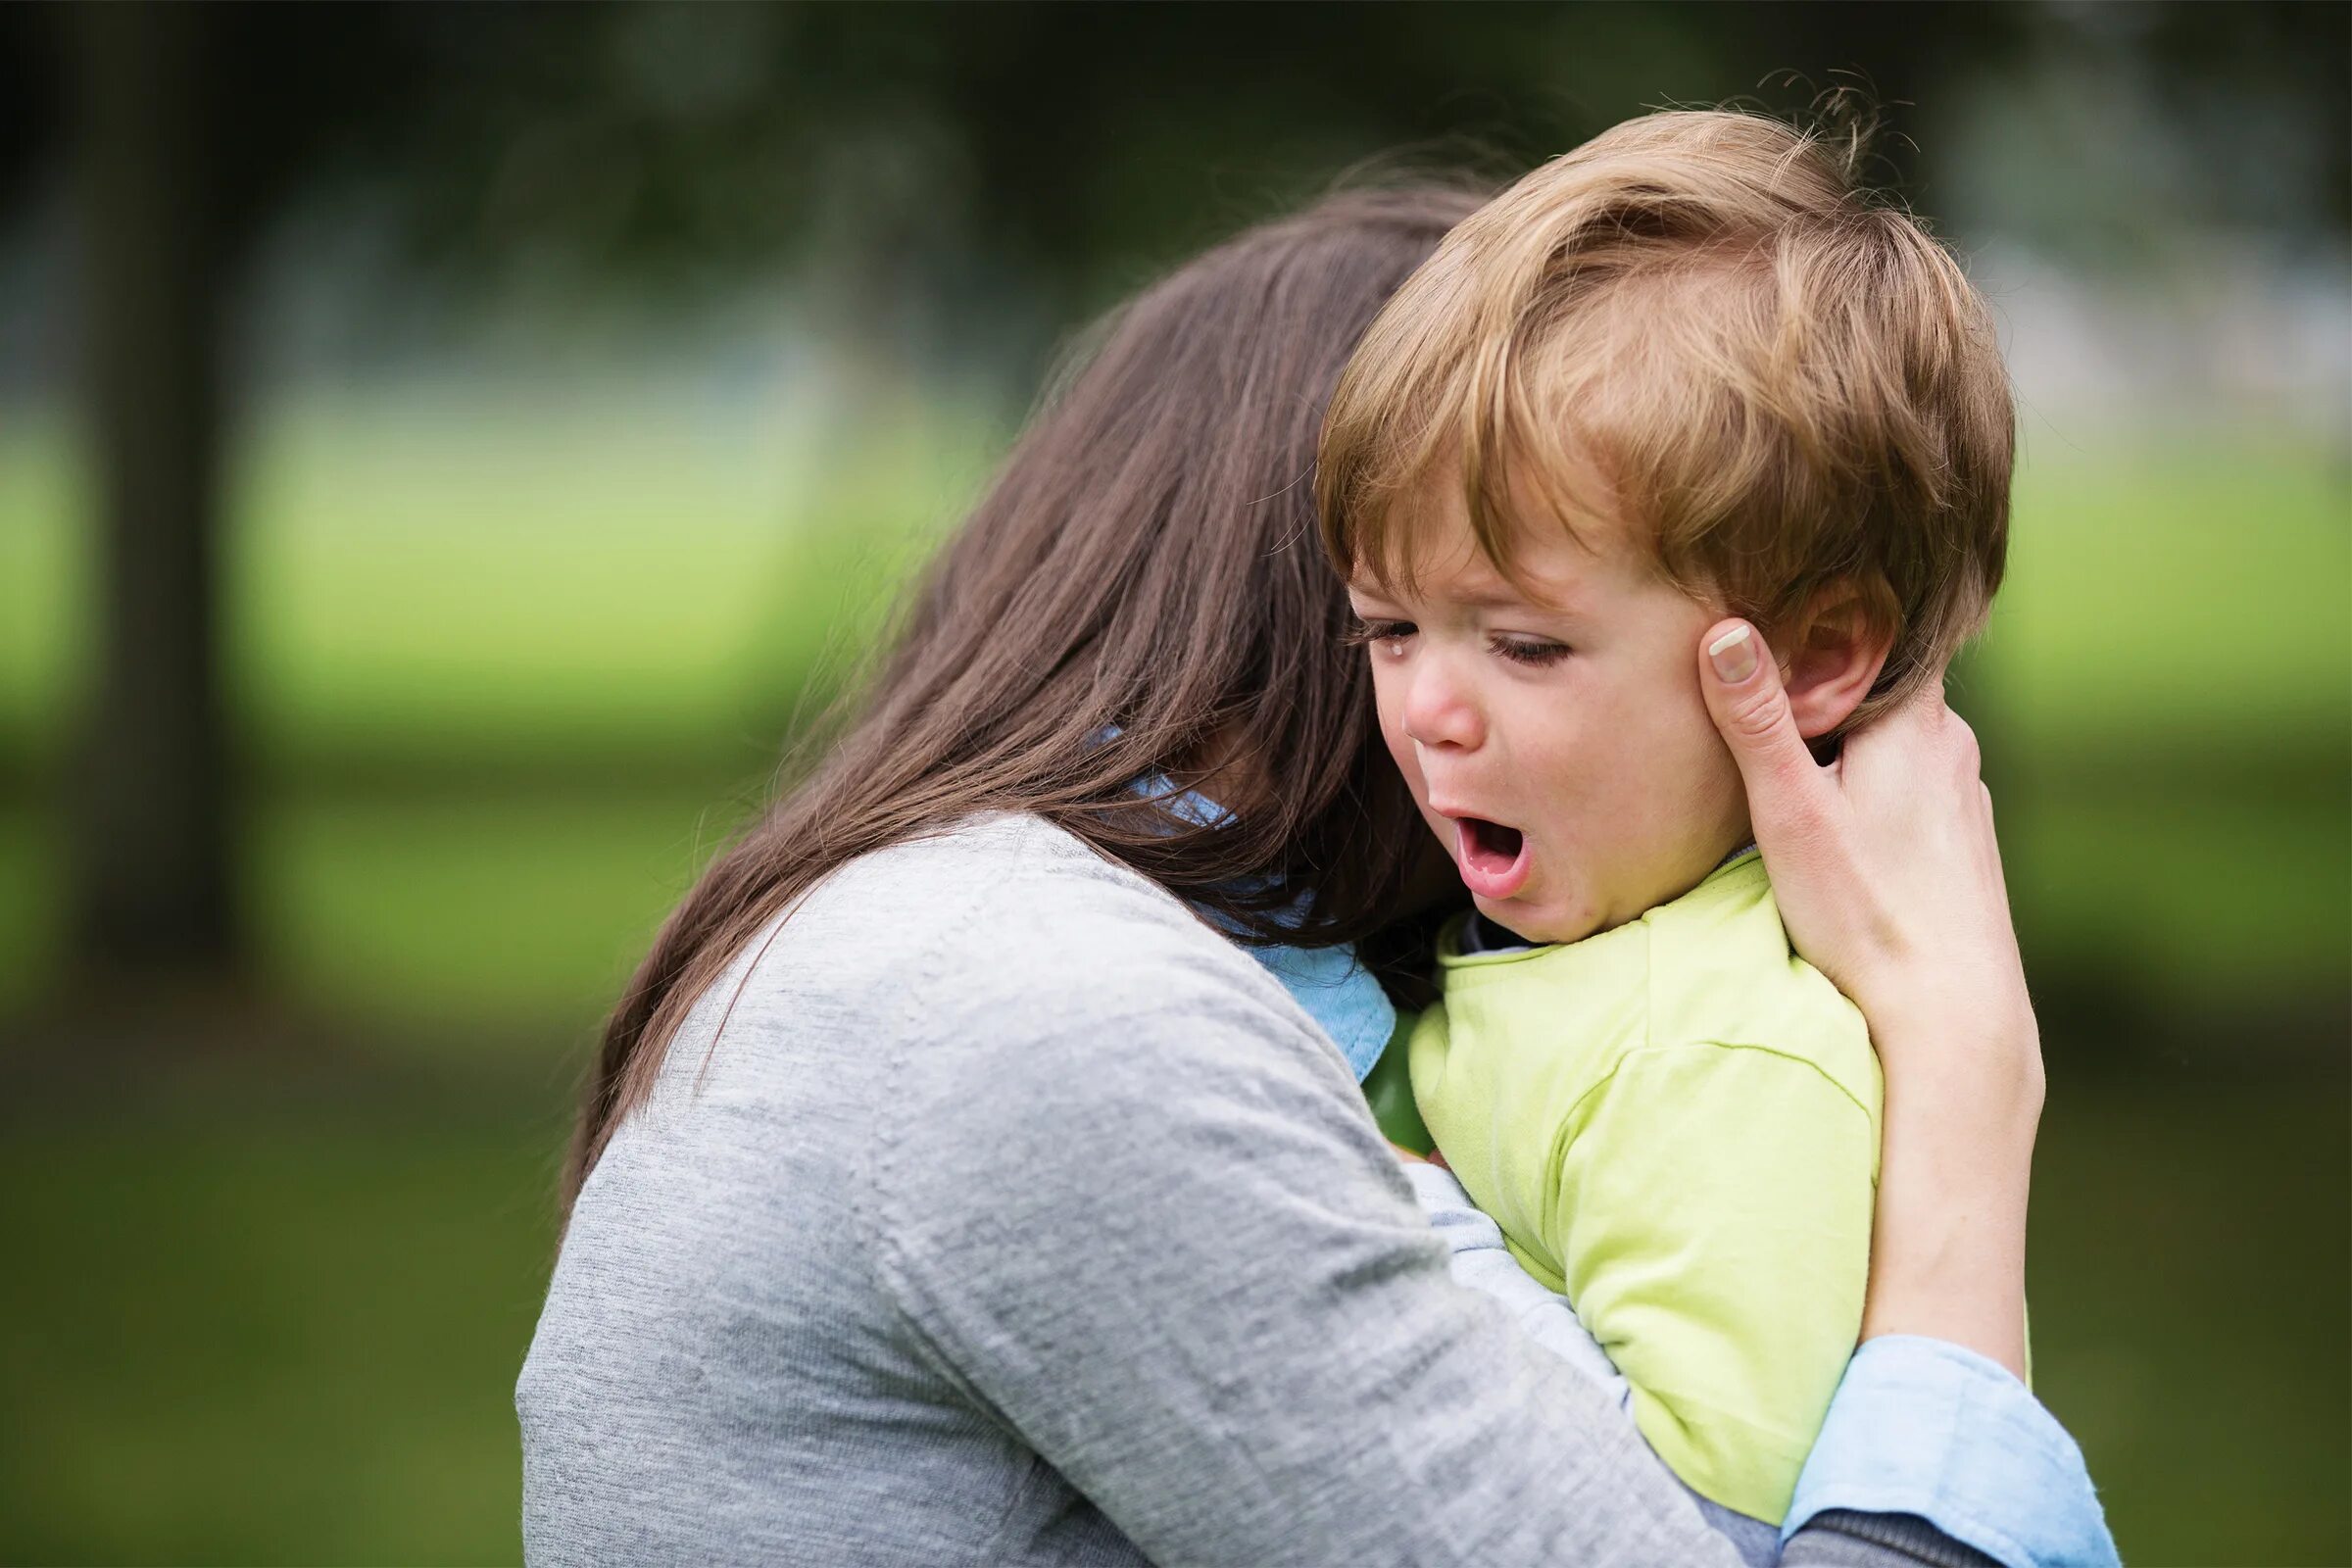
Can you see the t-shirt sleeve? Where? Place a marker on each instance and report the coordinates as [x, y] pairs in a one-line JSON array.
[[1165, 1245], [1713, 1227]]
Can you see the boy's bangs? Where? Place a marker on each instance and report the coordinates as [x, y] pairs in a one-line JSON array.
[[1383, 469], [1550, 459], [1516, 467]]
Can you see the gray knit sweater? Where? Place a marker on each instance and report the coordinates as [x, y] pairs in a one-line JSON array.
[[1016, 1217]]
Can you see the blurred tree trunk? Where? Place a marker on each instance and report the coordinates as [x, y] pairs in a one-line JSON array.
[[151, 867]]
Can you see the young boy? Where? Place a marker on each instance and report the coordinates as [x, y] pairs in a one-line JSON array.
[[1683, 372]]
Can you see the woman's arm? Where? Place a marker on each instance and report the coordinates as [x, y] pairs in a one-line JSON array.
[[1888, 877], [1122, 1196]]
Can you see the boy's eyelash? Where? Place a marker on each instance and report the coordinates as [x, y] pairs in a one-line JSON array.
[[1533, 653], [1363, 633], [1520, 651]]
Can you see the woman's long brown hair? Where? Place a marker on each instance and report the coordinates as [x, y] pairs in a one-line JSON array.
[[1139, 594]]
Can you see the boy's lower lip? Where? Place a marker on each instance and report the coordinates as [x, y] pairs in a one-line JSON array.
[[1485, 871]]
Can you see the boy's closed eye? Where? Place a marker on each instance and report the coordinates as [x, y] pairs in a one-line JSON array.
[[1368, 629], [1518, 648], [1537, 652]]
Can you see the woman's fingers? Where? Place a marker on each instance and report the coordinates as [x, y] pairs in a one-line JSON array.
[[1787, 793], [1884, 866]]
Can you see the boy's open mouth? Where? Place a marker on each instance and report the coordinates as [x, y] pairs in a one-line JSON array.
[[1492, 857]]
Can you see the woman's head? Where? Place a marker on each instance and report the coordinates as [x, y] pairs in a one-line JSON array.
[[1140, 595]]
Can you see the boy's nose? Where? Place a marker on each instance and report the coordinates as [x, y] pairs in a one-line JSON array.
[[1437, 709]]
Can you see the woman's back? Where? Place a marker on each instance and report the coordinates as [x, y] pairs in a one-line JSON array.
[[795, 1406]]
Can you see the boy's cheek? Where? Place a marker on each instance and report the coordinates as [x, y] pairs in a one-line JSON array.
[[1401, 749], [1408, 760], [1408, 764]]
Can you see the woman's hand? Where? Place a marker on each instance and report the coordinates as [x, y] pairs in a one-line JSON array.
[[1888, 877]]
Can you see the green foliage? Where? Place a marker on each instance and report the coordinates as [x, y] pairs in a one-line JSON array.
[[506, 676]]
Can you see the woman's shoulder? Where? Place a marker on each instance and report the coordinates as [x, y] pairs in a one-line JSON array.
[[992, 999], [982, 856], [1007, 890], [997, 932]]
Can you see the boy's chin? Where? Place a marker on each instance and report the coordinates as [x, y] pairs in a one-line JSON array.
[[1548, 921], [1535, 923]]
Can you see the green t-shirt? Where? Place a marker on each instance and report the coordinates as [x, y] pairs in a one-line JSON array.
[[1675, 1123]]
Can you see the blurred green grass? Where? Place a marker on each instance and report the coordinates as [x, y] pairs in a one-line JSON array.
[[249, 1336], [503, 679], [2162, 599], [267, 1332], [467, 582], [2190, 1269]]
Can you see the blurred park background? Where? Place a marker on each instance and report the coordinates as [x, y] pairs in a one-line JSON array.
[[445, 452]]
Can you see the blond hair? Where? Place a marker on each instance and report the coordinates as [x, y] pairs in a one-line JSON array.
[[1697, 322]]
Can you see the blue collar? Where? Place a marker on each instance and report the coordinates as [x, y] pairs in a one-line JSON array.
[[1337, 991]]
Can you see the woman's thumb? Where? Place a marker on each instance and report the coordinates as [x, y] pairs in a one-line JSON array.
[[1786, 786]]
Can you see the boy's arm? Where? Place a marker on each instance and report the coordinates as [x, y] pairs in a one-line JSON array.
[[1389, 1090], [1713, 1228]]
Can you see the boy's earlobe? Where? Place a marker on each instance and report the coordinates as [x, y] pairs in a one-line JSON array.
[[1831, 655]]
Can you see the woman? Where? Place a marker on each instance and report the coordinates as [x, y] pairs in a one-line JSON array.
[[965, 1178]]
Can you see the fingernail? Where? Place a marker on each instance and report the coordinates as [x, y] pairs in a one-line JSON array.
[[1734, 655]]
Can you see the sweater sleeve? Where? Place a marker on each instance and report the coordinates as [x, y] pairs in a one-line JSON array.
[[1168, 1249]]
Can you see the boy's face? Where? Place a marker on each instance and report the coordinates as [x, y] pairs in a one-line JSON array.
[[1555, 736]]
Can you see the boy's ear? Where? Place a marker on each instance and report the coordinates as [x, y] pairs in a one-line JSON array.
[[1832, 653]]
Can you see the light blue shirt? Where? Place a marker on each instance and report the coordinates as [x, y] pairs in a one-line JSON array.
[[1342, 996], [1339, 993], [1923, 1425]]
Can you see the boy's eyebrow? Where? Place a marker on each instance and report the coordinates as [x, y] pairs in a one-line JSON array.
[[1501, 592], [1502, 596], [1491, 590]]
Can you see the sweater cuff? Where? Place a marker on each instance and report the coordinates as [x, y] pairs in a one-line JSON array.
[[1839, 1539]]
